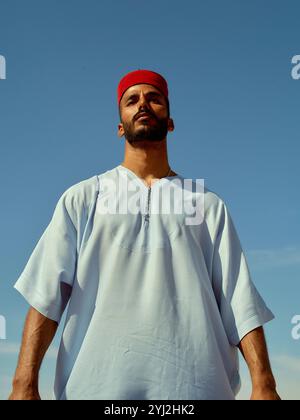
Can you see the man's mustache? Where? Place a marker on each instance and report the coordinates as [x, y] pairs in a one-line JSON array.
[[142, 114]]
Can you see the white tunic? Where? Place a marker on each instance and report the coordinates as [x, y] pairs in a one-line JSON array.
[[156, 306]]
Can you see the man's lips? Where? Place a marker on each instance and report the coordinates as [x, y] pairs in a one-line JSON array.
[[144, 116]]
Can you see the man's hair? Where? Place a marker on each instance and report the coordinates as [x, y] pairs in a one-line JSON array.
[[168, 108]]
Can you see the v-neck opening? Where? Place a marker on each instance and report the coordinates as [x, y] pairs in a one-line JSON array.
[[141, 180]]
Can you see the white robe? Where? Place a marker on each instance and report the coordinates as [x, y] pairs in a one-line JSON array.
[[156, 306]]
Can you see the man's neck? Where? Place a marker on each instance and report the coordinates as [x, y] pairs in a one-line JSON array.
[[148, 160]]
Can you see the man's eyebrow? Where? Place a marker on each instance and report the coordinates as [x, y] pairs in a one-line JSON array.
[[152, 93]]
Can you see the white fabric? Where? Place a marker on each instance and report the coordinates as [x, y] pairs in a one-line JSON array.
[[156, 307]]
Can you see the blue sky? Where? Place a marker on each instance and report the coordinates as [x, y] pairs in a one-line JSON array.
[[236, 113]]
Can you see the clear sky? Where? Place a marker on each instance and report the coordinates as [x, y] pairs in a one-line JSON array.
[[236, 113]]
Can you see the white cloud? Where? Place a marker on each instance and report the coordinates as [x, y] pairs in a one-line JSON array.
[[289, 363], [287, 373], [7, 348], [5, 386], [274, 258], [286, 370]]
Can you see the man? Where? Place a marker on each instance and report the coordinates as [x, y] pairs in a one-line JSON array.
[[157, 306]]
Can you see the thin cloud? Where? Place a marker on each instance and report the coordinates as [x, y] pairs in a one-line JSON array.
[[9, 348], [290, 363], [287, 373], [286, 369], [5, 386], [274, 258]]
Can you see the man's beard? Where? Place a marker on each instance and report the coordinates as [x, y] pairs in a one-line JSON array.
[[146, 131]]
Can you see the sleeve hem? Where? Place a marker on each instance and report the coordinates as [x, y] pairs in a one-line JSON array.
[[249, 325], [36, 300]]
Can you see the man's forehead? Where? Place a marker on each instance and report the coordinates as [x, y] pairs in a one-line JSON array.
[[145, 88]]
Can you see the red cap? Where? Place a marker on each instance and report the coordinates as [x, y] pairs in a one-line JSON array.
[[140, 77]]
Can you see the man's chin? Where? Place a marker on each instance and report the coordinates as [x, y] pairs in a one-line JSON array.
[[145, 135]]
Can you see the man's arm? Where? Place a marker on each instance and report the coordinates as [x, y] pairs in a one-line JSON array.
[[254, 350], [39, 332]]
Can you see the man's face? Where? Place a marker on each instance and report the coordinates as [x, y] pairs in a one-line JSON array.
[[144, 114]]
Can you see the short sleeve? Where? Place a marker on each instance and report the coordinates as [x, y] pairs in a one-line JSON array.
[[47, 279], [241, 306]]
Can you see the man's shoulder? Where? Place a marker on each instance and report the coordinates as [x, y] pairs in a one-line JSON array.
[[215, 207], [82, 190], [212, 199], [81, 193], [88, 185]]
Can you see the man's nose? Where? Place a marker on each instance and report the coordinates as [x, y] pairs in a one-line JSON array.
[[142, 101]]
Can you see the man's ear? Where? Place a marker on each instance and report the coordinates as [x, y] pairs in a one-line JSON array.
[[120, 130], [171, 125]]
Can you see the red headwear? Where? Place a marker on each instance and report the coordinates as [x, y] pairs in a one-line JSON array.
[[140, 77]]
